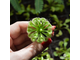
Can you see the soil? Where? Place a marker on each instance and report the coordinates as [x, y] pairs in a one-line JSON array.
[[62, 16]]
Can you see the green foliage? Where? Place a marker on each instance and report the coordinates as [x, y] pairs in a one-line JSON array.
[[49, 1], [43, 56], [15, 4], [38, 5], [63, 52], [54, 6], [26, 11], [68, 2], [59, 33], [59, 1], [66, 25], [39, 29], [60, 25], [22, 10], [66, 56]]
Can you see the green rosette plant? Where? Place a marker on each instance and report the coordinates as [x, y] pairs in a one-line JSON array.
[[39, 30]]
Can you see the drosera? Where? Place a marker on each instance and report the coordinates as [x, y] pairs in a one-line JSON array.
[[39, 30]]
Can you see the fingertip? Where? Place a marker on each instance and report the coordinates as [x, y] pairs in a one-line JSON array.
[[53, 27]]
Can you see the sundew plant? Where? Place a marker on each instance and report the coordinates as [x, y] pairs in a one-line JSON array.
[[39, 30]]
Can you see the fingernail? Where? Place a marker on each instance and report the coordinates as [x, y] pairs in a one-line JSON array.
[[54, 26], [46, 44]]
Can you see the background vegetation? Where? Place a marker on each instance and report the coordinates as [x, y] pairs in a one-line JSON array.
[[58, 14]]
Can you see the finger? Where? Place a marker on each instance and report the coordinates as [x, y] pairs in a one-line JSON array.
[[17, 28], [12, 44], [32, 50], [26, 43], [11, 51], [53, 28], [22, 38]]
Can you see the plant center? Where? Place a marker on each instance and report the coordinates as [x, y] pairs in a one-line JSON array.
[[41, 30]]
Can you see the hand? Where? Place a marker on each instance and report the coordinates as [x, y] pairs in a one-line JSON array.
[[21, 47]]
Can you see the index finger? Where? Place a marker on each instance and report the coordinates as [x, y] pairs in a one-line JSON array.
[[18, 28]]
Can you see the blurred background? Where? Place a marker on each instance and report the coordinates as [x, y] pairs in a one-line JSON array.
[[57, 12]]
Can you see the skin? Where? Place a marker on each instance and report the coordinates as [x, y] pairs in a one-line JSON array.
[[21, 47]]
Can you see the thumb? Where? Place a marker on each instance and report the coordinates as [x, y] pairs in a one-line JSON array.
[[32, 50]]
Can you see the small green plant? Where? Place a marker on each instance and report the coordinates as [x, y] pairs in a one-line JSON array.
[[43, 56], [39, 29], [54, 6], [60, 25], [29, 10], [63, 52], [26, 11], [16, 5], [22, 9]]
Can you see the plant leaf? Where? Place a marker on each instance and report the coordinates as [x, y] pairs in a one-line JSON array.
[[59, 33], [55, 53], [66, 42], [49, 1], [57, 48], [55, 18], [60, 43], [59, 1], [61, 57], [15, 5], [66, 39], [67, 20], [38, 5]]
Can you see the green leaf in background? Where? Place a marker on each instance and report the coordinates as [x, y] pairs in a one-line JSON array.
[[68, 30], [67, 20], [57, 48], [52, 9], [50, 1], [66, 39], [15, 5], [55, 18], [55, 53], [66, 42], [59, 7], [38, 5], [61, 57], [59, 33], [59, 1], [68, 49], [61, 43]]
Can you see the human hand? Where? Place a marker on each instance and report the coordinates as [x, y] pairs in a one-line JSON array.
[[21, 47]]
